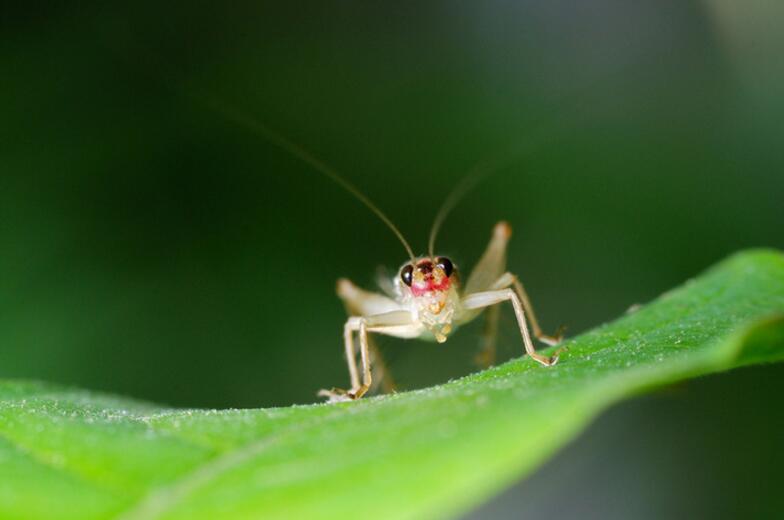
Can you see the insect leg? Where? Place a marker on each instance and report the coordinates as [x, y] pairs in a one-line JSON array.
[[486, 355], [492, 263], [359, 302], [384, 322], [351, 358], [367, 377], [488, 298], [509, 279], [490, 266], [381, 375]]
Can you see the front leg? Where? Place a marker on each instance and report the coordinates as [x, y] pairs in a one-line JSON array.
[[509, 279], [485, 299], [363, 324]]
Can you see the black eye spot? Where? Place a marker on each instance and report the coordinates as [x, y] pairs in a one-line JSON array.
[[445, 264], [406, 274], [425, 267]]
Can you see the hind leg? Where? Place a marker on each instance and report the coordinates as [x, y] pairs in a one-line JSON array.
[[487, 344], [381, 375]]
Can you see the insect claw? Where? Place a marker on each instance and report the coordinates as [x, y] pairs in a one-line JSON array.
[[555, 338], [357, 392], [336, 395], [556, 355], [559, 334]]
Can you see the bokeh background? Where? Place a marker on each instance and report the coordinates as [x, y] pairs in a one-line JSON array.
[[153, 248]]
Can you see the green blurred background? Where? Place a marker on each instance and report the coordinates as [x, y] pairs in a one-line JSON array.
[[152, 248]]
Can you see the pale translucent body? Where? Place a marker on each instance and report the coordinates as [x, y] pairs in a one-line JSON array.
[[434, 315]]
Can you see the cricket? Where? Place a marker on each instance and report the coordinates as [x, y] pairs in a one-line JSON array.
[[429, 302], [426, 299]]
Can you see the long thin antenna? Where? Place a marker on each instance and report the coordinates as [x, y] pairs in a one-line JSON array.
[[458, 192], [478, 173], [301, 153], [494, 164]]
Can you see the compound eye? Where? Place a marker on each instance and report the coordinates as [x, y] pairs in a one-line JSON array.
[[445, 264], [406, 274]]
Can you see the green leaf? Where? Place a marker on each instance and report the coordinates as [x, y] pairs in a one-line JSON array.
[[68, 453]]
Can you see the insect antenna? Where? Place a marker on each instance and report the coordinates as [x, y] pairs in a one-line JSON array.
[[258, 128], [478, 173], [516, 150], [458, 192]]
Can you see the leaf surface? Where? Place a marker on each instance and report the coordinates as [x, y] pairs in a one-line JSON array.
[[67, 453]]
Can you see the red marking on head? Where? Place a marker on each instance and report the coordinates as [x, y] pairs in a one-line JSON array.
[[429, 278]]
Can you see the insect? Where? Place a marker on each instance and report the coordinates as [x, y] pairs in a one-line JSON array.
[[429, 302], [426, 299]]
